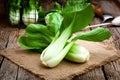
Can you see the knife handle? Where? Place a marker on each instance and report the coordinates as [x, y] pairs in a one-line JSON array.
[[97, 10]]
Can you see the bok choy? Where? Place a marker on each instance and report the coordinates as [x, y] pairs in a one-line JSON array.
[[30, 13], [14, 11], [58, 30]]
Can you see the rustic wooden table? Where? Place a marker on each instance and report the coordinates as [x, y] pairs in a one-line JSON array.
[[110, 71]]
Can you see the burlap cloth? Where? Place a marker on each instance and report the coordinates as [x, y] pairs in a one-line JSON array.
[[30, 61]]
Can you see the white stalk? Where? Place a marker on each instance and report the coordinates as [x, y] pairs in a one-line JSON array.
[[78, 54], [54, 50], [59, 57]]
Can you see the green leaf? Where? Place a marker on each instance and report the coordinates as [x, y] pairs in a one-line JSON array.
[[39, 36], [58, 7], [80, 12], [41, 15], [29, 5], [33, 3], [29, 43], [38, 28], [14, 5], [74, 6], [54, 21], [96, 35]]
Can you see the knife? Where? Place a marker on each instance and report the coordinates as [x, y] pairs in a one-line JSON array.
[[104, 15]]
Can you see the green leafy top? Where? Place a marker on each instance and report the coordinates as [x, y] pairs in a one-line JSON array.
[[74, 5], [77, 11], [29, 5], [14, 4], [95, 35], [54, 21]]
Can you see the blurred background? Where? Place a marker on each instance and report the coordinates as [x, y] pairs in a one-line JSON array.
[[14, 17]]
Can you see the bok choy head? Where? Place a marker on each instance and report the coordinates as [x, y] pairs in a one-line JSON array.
[[78, 11], [14, 11], [30, 13]]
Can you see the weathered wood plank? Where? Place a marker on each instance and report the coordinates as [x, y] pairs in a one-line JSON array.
[[1, 58], [13, 38], [96, 74], [4, 35], [8, 70], [24, 75], [116, 37], [112, 70], [109, 6]]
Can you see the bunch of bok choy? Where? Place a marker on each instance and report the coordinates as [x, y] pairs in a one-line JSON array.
[[58, 30], [30, 13], [14, 11], [74, 13]]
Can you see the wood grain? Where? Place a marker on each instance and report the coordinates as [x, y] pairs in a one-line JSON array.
[[95, 74], [8, 70], [4, 36], [112, 70], [1, 58], [109, 6], [13, 38]]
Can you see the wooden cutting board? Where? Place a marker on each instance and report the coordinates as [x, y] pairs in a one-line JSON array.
[[100, 55]]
